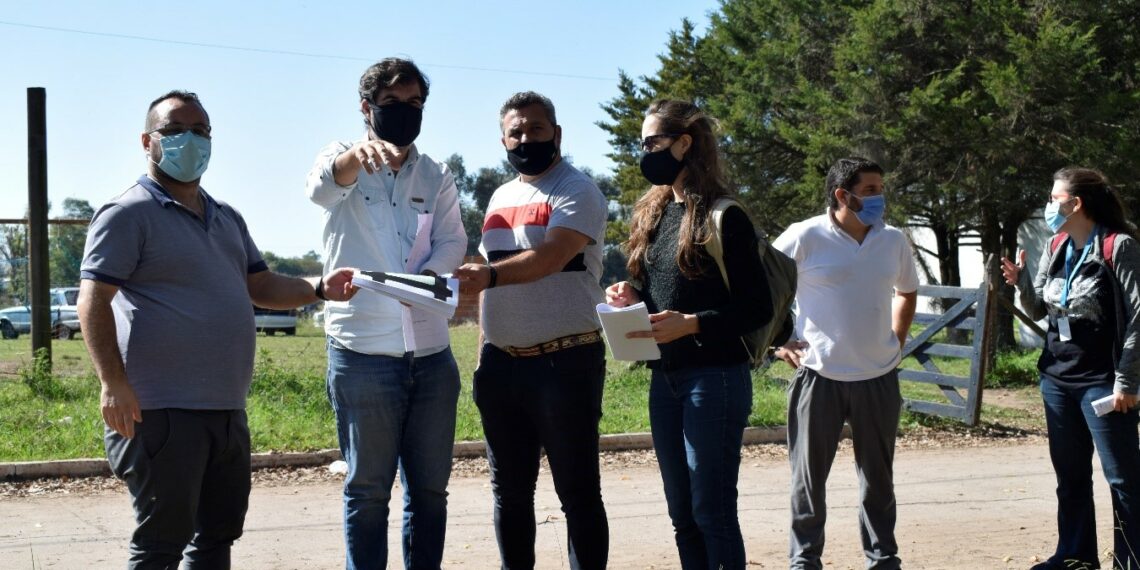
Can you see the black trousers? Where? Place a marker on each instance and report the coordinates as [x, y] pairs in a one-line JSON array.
[[188, 475], [551, 402]]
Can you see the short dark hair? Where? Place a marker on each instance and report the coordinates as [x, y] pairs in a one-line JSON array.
[[389, 72], [181, 95], [845, 174], [526, 99]]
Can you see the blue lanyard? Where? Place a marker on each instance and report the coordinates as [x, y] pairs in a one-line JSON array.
[[1071, 269]]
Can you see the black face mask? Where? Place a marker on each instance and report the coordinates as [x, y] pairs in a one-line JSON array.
[[533, 158], [397, 123], [660, 168]]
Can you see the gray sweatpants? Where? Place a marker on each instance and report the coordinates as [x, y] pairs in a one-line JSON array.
[[188, 475], [817, 408]]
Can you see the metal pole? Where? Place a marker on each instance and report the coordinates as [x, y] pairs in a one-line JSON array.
[[37, 221]]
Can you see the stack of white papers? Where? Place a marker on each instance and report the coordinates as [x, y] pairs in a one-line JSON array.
[[439, 295], [618, 321]]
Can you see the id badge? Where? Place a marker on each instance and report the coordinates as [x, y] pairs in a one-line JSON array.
[[1063, 329]]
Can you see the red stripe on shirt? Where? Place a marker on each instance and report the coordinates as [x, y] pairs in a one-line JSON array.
[[533, 214]]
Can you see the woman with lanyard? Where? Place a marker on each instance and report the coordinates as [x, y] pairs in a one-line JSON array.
[[700, 392], [1087, 285]]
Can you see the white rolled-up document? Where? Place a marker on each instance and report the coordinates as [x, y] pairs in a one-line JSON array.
[[616, 321]]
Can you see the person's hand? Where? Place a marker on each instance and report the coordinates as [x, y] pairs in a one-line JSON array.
[[473, 277], [1010, 270], [792, 353], [668, 326], [120, 408], [1122, 402], [621, 294], [338, 284], [371, 154]]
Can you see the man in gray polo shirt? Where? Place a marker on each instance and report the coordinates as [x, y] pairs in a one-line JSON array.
[[542, 363], [168, 278]]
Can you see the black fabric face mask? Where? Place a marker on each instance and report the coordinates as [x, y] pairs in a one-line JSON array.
[[397, 123], [660, 168], [533, 158]]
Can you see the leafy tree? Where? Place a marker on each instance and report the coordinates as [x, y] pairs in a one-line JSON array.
[[14, 250], [969, 105], [66, 241], [475, 190], [307, 265]]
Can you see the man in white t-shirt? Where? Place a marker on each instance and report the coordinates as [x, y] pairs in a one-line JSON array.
[[855, 301]]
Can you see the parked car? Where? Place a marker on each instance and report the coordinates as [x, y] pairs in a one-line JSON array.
[[15, 321], [66, 299], [65, 296], [272, 320]]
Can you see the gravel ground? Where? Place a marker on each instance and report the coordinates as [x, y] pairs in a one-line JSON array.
[[920, 437]]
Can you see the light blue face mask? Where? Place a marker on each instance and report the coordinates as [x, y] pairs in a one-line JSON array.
[[184, 156], [1053, 217], [873, 208]]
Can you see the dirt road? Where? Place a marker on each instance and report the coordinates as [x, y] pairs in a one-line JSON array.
[[959, 507]]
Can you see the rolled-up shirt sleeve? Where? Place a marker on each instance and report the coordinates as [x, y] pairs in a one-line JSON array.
[[321, 186]]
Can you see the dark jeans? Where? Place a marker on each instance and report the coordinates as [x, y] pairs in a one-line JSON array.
[[698, 417], [1073, 430], [551, 402], [817, 408], [188, 475], [394, 412]]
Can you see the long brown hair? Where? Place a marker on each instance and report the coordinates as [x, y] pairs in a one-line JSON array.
[[1100, 200], [704, 183]]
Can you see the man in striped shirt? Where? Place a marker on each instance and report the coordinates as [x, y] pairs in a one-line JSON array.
[[542, 361]]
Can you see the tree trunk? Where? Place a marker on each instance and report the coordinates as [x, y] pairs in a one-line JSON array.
[[994, 242], [950, 273]]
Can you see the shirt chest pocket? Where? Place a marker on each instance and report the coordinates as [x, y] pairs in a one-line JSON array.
[[416, 206]]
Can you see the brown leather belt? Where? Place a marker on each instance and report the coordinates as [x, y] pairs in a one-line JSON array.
[[554, 346]]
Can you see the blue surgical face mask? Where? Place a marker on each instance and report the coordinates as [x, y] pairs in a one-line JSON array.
[[1053, 217], [184, 156], [873, 208]]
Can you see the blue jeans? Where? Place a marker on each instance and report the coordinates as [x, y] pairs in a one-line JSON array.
[[1073, 429], [698, 416], [394, 411], [551, 402]]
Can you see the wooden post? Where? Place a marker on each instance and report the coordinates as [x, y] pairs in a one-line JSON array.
[[37, 221]]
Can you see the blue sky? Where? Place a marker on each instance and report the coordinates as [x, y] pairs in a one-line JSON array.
[[272, 111]]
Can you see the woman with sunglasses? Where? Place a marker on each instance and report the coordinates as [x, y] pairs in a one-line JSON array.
[[700, 394], [1088, 286]]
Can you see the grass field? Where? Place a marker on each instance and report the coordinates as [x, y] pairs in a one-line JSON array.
[[56, 416]]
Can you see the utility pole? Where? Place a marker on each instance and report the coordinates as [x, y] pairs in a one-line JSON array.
[[37, 221]]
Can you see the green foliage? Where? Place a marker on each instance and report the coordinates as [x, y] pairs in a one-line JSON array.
[[307, 265], [970, 106], [1014, 369], [38, 378], [475, 190], [65, 245], [56, 415], [14, 252]]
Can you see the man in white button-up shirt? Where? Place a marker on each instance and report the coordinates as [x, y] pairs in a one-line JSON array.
[[394, 407], [855, 301]]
